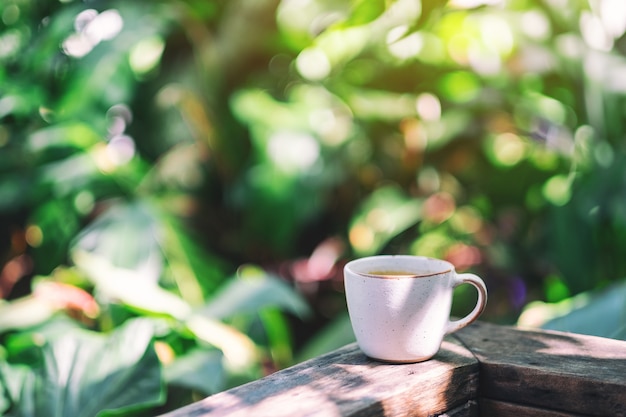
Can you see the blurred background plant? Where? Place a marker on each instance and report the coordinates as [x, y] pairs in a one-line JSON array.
[[181, 181]]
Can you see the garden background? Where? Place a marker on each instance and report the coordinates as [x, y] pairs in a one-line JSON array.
[[181, 181]]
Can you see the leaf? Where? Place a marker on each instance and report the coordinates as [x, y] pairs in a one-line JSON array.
[[4, 401], [84, 374], [22, 343], [131, 287], [336, 334], [252, 291], [199, 369], [24, 312], [12, 381], [188, 261], [141, 237], [596, 313], [78, 135], [278, 336], [239, 350], [384, 215], [127, 236], [365, 11], [140, 293]]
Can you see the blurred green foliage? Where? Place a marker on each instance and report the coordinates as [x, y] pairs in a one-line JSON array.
[[198, 172]]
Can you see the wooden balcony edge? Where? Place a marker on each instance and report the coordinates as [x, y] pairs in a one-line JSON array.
[[504, 367]]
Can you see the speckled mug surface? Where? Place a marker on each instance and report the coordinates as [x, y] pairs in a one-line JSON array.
[[399, 305]]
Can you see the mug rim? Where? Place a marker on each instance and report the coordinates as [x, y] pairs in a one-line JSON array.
[[449, 267]]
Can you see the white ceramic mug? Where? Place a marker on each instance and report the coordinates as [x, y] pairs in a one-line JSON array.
[[399, 305]]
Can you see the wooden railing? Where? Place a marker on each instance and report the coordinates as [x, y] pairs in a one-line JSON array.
[[482, 370]]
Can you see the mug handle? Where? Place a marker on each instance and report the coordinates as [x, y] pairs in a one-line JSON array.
[[477, 282]]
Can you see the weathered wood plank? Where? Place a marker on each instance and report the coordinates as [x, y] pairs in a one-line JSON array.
[[549, 370], [346, 383], [469, 409], [491, 408]]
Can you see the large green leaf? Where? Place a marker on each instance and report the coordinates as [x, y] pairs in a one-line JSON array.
[[84, 374], [12, 378], [196, 271], [143, 295], [127, 236], [134, 288], [199, 369], [143, 239], [597, 313], [252, 291], [34, 334]]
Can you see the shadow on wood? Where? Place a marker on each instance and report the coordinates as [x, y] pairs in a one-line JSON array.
[[550, 370], [482, 370]]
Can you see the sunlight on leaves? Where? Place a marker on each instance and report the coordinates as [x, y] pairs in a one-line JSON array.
[[146, 54], [141, 293], [251, 291], [240, 352], [597, 313], [382, 216], [129, 286], [25, 312], [86, 374]]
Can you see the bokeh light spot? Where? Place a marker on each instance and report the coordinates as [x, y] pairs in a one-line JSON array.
[[613, 17], [146, 54], [460, 86], [104, 26], [121, 149], [34, 235], [429, 180], [361, 237], [379, 220], [84, 202], [91, 28], [10, 42], [535, 25], [469, 4], [603, 154], [428, 106], [293, 152], [313, 64], [594, 32], [406, 47], [77, 45], [439, 207], [496, 33], [508, 149], [10, 14], [557, 190], [466, 220]]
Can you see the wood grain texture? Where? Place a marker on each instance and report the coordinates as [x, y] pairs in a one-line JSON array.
[[347, 383], [549, 370], [469, 409], [482, 370], [502, 409]]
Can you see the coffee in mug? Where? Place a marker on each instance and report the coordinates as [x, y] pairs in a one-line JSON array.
[[399, 305]]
